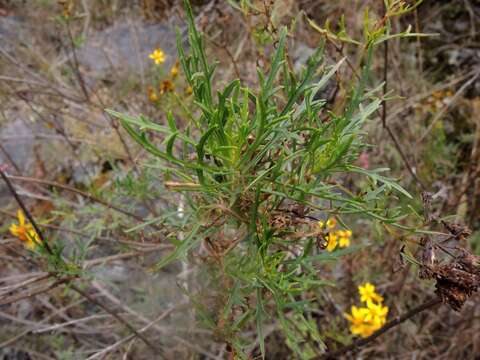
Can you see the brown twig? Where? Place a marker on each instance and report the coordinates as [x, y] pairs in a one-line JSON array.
[[404, 158], [391, 324], [384, 115], [10, 159], [76, 66], [79, 192], [116, 316], [31, 293], [229, 54]]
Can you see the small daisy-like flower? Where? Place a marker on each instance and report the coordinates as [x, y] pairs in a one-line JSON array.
[[189, 90], [367, 293], [25, 232], [158, 56]]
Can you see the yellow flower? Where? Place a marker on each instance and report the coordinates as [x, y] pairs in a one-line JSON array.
[[152, 95], [344, 238], [331, 241], [331, 223], [357, 316], [367, 293], [25, 232], [366, 320], [158, 56], [359, 323], [377, 313], [174, 70], [189, 90]]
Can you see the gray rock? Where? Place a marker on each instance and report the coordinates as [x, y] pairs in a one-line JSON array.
[[17, 139], [125, 47], [301, 54], [13, 31]]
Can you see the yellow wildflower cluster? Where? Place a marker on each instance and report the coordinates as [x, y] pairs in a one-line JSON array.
[[25, 232], [371, 317], [166, 85], [334, 237]]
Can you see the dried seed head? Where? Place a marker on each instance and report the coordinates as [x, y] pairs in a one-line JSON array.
[[454, 284], [427, 205], [459, 232], [428, 258]]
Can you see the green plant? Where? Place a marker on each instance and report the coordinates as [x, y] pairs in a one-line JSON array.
[[257, 168]]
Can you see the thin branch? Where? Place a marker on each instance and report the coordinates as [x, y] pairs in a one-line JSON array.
[[447, 106], [404, 158], [10, 159], [76, 66], [384, 116], [229, 54], [26, 212], [116, 316], [79, 192], [130, 337], [34, 292], [385, 82]]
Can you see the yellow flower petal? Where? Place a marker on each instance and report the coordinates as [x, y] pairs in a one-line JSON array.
[[332, 242], [174, 71], [21, 217], [367, 292], [32, 240], [158, 56], [24, 231], [14, 230], [344, 242], [331, 223]]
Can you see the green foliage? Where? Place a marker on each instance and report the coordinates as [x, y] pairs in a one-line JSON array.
[[251, 164], [375, 31]]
